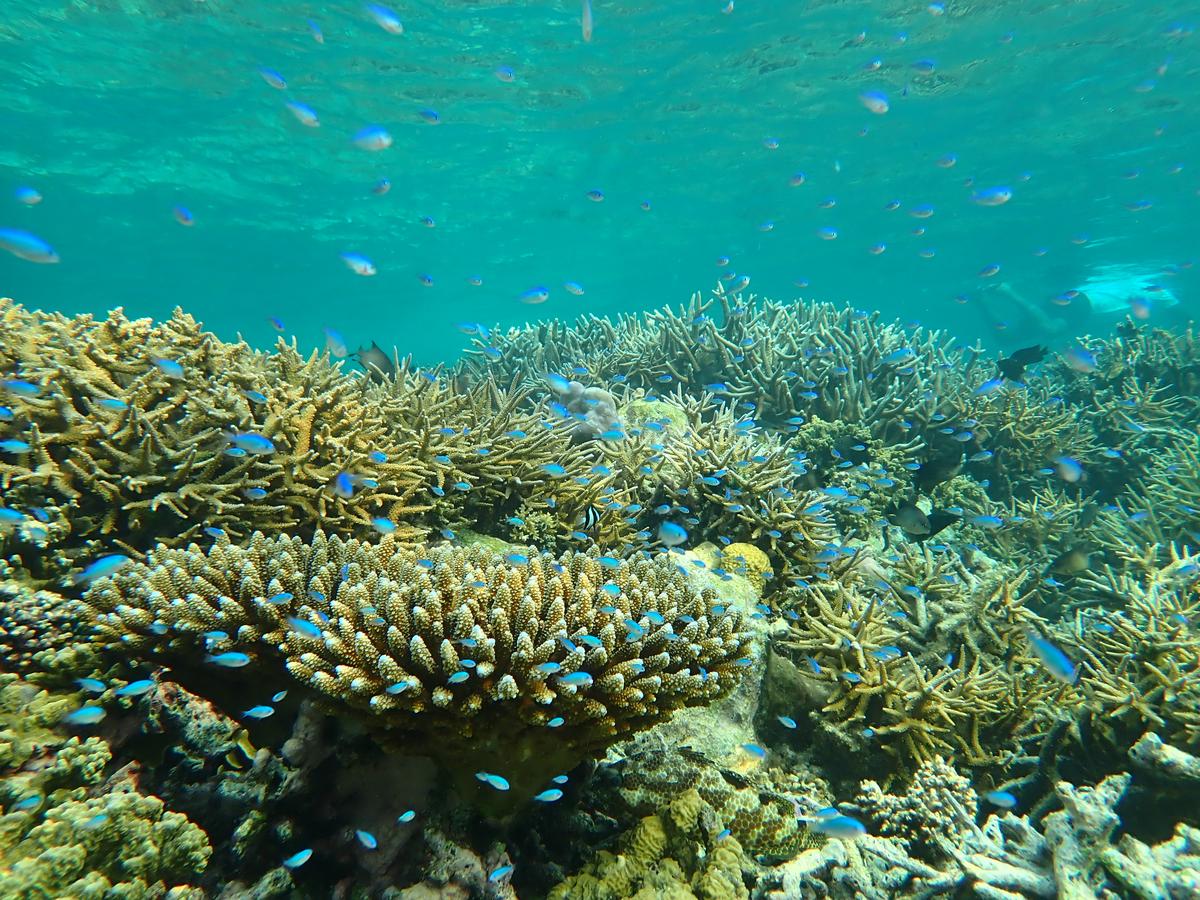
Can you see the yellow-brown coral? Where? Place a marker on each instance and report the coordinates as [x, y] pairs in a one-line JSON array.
[[523, 665]]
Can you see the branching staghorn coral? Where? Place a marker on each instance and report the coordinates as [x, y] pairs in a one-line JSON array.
[[508, 664], [1025, 428], [917, 664], [788, 360], [1139, 651], [1141, 362], [720, 479]]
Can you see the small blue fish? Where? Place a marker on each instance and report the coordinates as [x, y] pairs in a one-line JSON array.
[[407, 816], [91, 685], [86, 715], [1056, 662], [459, 677], [787, 721], [305, 115], [377, 456], [838, 826], [33, 801], [230, 660], [10, 516], [169, 368], [499, 782], [366, 839], [296, 860], [385, 18], [342, 485], [549, 796], [755, 750], [251, 442], [548, 668], [135, 688], [516, 559], [576, 679], [499, 873], [1081, 359], [373, 137], [27, 246], [273, 78], [12, 445], [303, 627], [986, 522], [23, 388], [671, 534], [1002, 799], [383, 526], [104, 567], [259, 712], [554, 469], [900, 357]]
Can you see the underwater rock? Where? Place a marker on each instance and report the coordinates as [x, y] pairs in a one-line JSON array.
[[667, 416], [594, 410], [1153, 755]]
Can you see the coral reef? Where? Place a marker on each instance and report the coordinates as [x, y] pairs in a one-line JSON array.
[[720, 614], [784, 361], [565, 655], [70, 831], [680, 854], [938, 806]]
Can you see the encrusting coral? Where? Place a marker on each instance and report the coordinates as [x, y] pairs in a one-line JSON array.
[[66, 831], [679, 853], [511, 664], [937, 807]]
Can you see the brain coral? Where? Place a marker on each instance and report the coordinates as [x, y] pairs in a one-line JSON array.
[[504, 663]]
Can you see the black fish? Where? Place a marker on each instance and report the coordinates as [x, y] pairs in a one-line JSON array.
[[910, 519], [918, 525], [378, 364], [938, 469], [1013, 367]]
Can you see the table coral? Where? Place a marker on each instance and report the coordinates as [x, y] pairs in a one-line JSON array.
[[521, 665]]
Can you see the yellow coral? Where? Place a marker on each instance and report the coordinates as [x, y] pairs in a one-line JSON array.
[[508, 662]]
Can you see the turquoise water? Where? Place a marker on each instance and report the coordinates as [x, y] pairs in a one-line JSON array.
[[118, 111]]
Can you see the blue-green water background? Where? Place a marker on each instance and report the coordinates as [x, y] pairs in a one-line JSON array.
[[117, 111]]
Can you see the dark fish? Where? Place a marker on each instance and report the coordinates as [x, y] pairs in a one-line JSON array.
[[1013, 367], [1087, 516], [1075, 561], [378, 364], [937, 470], [911, 519]]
